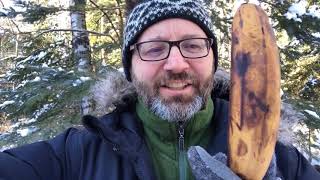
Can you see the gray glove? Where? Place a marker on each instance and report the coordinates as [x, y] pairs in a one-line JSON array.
[[207, 167]]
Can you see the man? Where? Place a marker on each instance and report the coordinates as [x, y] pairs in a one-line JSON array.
[[170, 55]]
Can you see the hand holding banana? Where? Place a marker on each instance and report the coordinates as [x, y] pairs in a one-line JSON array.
[[255, 93], [254, 103]]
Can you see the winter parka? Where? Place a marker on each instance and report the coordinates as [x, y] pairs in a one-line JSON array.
[[113, 148]]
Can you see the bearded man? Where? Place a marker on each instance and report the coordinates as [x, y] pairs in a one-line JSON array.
[[170, 56]]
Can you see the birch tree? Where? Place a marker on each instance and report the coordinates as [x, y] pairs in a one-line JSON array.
[[80, 39]]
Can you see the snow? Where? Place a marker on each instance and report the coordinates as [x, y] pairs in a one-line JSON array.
[[300, 8], [23, 83], [9, 73], [15, 125], [121, 70], [44, 65], [3, 148], [313, 80], [83, 79], [44, 109], [82, 62], [6, 103], [296, 9], [41, 55], [312, 113], [3, 11], [294, 42], [317, 34], [36, 79], [26, 131], [301, 127], [80, 80], [30, 121], [314, 11], [20, 66], [25, 60], [60, 69], [281, 92], [76, 83]]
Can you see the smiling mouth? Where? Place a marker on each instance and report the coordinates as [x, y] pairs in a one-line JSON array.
[[176, 85]]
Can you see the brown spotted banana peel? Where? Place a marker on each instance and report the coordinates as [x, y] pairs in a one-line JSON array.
[[255, 93]]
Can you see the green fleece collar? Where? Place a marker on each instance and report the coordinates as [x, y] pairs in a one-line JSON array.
[[167, 130]]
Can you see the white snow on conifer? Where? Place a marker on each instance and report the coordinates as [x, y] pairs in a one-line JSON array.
[[6, 103], [312, 113], [26, 131]]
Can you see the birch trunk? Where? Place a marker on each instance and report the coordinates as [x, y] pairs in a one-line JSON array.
[[80, 39], [81, 45]]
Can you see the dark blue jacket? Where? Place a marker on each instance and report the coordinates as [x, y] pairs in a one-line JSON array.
[[113, 147]]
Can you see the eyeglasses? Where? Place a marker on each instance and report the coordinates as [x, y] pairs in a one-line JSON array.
[[192, 48]]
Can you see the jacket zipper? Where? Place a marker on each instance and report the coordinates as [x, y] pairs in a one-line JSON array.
[[182, 160]]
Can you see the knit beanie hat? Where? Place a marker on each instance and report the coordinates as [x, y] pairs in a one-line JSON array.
[[149, 12]]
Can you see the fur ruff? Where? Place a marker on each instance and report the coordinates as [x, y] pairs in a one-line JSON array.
[[115, 90]]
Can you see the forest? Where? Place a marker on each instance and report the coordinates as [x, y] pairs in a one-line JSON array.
[[52, 52]]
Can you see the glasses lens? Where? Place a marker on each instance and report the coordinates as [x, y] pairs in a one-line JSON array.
[[194, 48], [153, 50]]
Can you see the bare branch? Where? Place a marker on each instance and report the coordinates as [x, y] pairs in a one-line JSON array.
[[94, 8], [121, 20], [44, 31], [109, 19]]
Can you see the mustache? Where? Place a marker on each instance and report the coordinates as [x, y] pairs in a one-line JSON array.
[[170, 76]]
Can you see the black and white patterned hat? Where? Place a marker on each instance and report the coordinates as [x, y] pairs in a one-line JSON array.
[[149, 12]]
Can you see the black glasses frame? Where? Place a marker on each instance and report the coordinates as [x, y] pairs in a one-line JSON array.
[[172, 43]]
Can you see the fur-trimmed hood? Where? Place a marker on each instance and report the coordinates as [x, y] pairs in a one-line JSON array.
[[115, 90]]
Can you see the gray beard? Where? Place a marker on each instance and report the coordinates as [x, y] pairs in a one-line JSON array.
[[175, 109]]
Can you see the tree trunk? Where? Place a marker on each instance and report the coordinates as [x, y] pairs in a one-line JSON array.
[[102, 51], [309, 145], [81, 45], [80, 40], [1, 51], [17, 45]]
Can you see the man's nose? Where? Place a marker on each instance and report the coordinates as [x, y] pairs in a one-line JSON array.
[[175, 61]]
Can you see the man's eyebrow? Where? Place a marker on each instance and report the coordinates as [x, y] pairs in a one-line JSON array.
[[157, 38], [187, 36], [161, 38]]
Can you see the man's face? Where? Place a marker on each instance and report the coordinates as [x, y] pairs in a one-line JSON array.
[[176, 87]]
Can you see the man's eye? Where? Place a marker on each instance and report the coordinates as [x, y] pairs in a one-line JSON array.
[[153, 51], [192, 47]]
